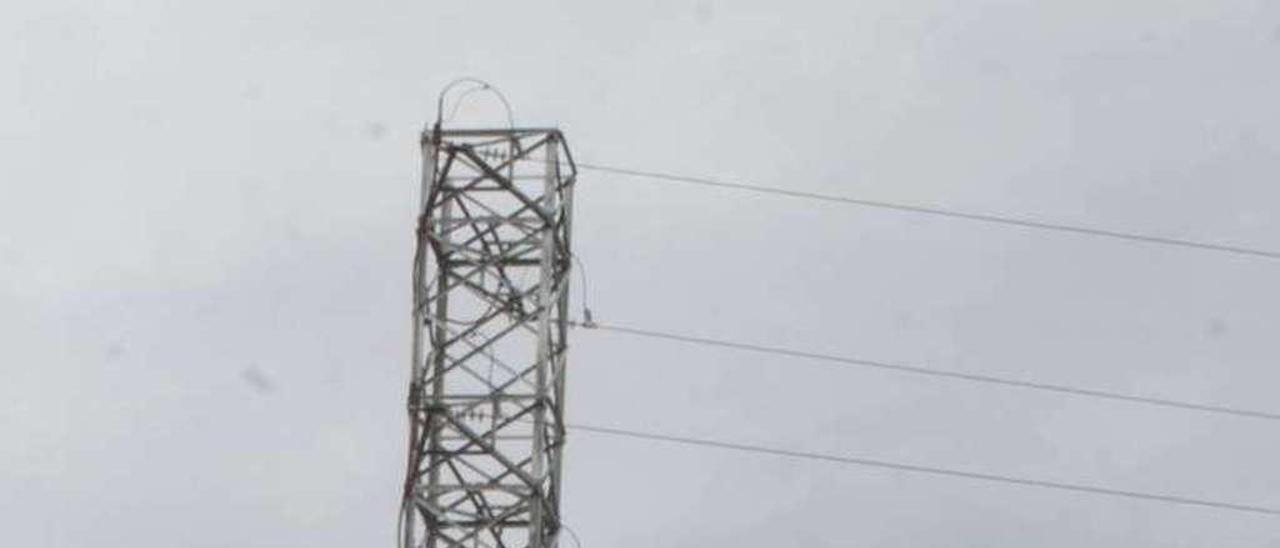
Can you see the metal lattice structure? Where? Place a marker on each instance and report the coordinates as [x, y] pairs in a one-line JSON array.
[[490, 325]]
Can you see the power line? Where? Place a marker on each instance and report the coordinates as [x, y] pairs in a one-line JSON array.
[[969, 377], [931, 470], [980, 217], [576, 540]]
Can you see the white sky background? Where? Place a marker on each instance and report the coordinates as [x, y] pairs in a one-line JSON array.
[[206, 215]]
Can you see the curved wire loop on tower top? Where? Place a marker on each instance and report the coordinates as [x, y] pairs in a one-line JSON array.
[[477, 85]]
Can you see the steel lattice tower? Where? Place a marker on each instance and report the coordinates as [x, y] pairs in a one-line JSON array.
[[490, 329]]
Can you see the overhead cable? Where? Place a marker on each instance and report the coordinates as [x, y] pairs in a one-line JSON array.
[[936, 211], [930, 470], [955, 375]]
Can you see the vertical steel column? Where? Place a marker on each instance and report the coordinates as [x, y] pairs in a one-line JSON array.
[[490, 313]]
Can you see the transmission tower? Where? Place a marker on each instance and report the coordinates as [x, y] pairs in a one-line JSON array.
[[490, 329]]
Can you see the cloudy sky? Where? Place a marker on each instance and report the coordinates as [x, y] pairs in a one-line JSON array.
[[206, 215]]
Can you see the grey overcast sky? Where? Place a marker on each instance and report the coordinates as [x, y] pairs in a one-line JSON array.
[[206, 214]]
